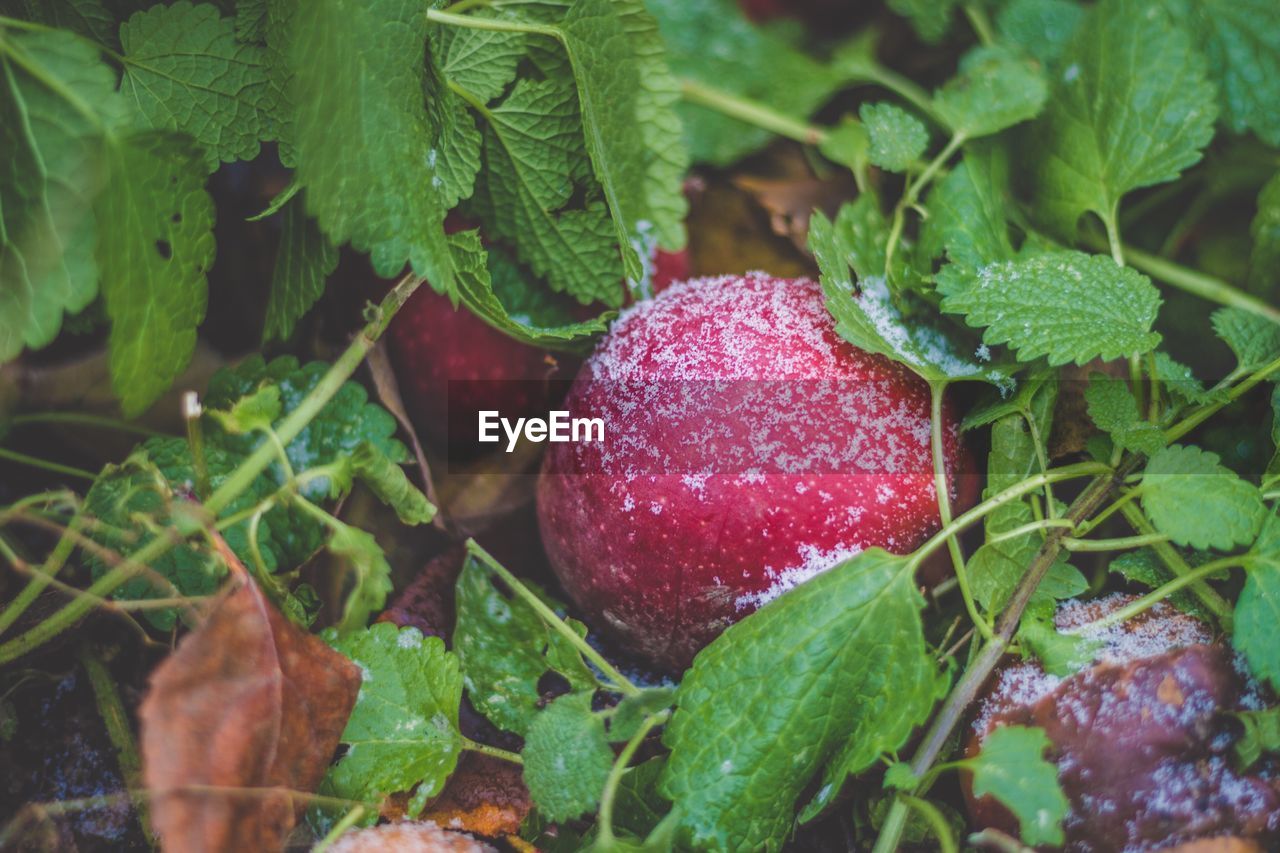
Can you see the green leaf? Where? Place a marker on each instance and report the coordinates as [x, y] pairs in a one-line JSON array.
[[967, 210], [1132, 107], [996, 569], [1043, 28], [1143, 567], [251, 20], [996, 88], [386, 479], [930, 18], [566, 758], [254, 411], [633, 710], [1254, 340], [89, 18], [506, 648], [708, 43], [1066, 305], [836, 667], [897, 138], [848, 143], [1261, 735], [364, 151], [304, 261], [1115, 411], [403, 731], [494, 290], [627, 98], [1258, 608], [1179, 381], [481, 61], [55, 97], [1011, 767], [1264, 259], [1197, 502], [1241, 39], [185, 70], [1059, 654], [865, 314], [155, 246]]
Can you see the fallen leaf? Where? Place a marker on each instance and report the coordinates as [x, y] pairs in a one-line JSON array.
[[427, 602], [791, 202], [248, 709], [486, 796], [1224, 844]]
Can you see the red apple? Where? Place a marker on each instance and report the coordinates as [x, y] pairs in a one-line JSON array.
[[432, 343], [1141, 738], [747, 447]]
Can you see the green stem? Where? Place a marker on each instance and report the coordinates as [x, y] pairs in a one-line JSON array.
[[492, 24], [1208, 410], [937, 391], [1199, 284], [78, 419], [900, 86], [350, 819], [751, 112], [46, 573], [1122, 543], [936, 820], [195, 440], [605, 822], [44, 464], [1030, 527], [1160, 593], [120, 733], [492, 751], [981, 25], [619, 681], [240, 480], [1169, 555], [1113, 238], [912, 194]]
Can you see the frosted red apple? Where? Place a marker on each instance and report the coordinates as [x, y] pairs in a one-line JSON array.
[[747, 447], [1142, 738]]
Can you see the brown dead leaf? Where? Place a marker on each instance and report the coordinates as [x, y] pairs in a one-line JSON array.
[[486, 796], [1225, 844], [790, 202], [427, 602], [246, 710]]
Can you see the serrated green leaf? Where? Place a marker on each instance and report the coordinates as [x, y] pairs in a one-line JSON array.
[[1257, 609], [481, 61], [995, 88], [1043, 28], [1241, 39], [403, 731], [492, 288], [55, 98], [304, 261], [505, 648], [155, 246], [996, 569], [372, 581], [363, 150], [566, 758], [254, 411], [833, 673], [707, 43], [89, 18], [1132, 106], [1264, 258], [1065, 305], [897, 138], [1011, 767], [185, 70], [532, 151], [1254, 340], [1196, 502], [1115, 411], [1261, 735], [387, 480], [848, 143], [1179, 381], [865, 314], [967, 211], [251, 20], [277, 31]]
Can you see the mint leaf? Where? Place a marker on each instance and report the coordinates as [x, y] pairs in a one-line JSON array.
[[481, 61], [848, 143], [506, 648], [251, 20], [930, 18], [1132, 107], [1011, 767], [51, 172], [566, 758], [865, 314], [1042, 28], [1115, 411], [304, 261], [1197, 502], [1254, 340], [403, 731], [1180, 382], [837, 664], [1241, 39], [1264, 259], [630, 713], [967, 210], [1258, 607], [364, 152], [493, 289], [386, 479], [532, 150], [995, 88], [89, 18], [995, 570], [1261, 735], [707, 43], [155, 246], [1065, 305], [1059, 654], [897, 138], [185, 70]]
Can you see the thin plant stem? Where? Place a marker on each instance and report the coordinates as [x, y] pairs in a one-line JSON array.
[[751, 112], [81, 419], [350, 819], [605, 822], [1172, 560], [1159, 594], [1208, 410], [492, 751], [46, 465], [1122, 543]]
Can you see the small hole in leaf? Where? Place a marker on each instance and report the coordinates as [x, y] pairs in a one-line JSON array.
[[165, 250], [176, 218]]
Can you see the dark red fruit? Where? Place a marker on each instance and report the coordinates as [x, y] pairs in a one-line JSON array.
[[1141, 738], [747, 447]]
